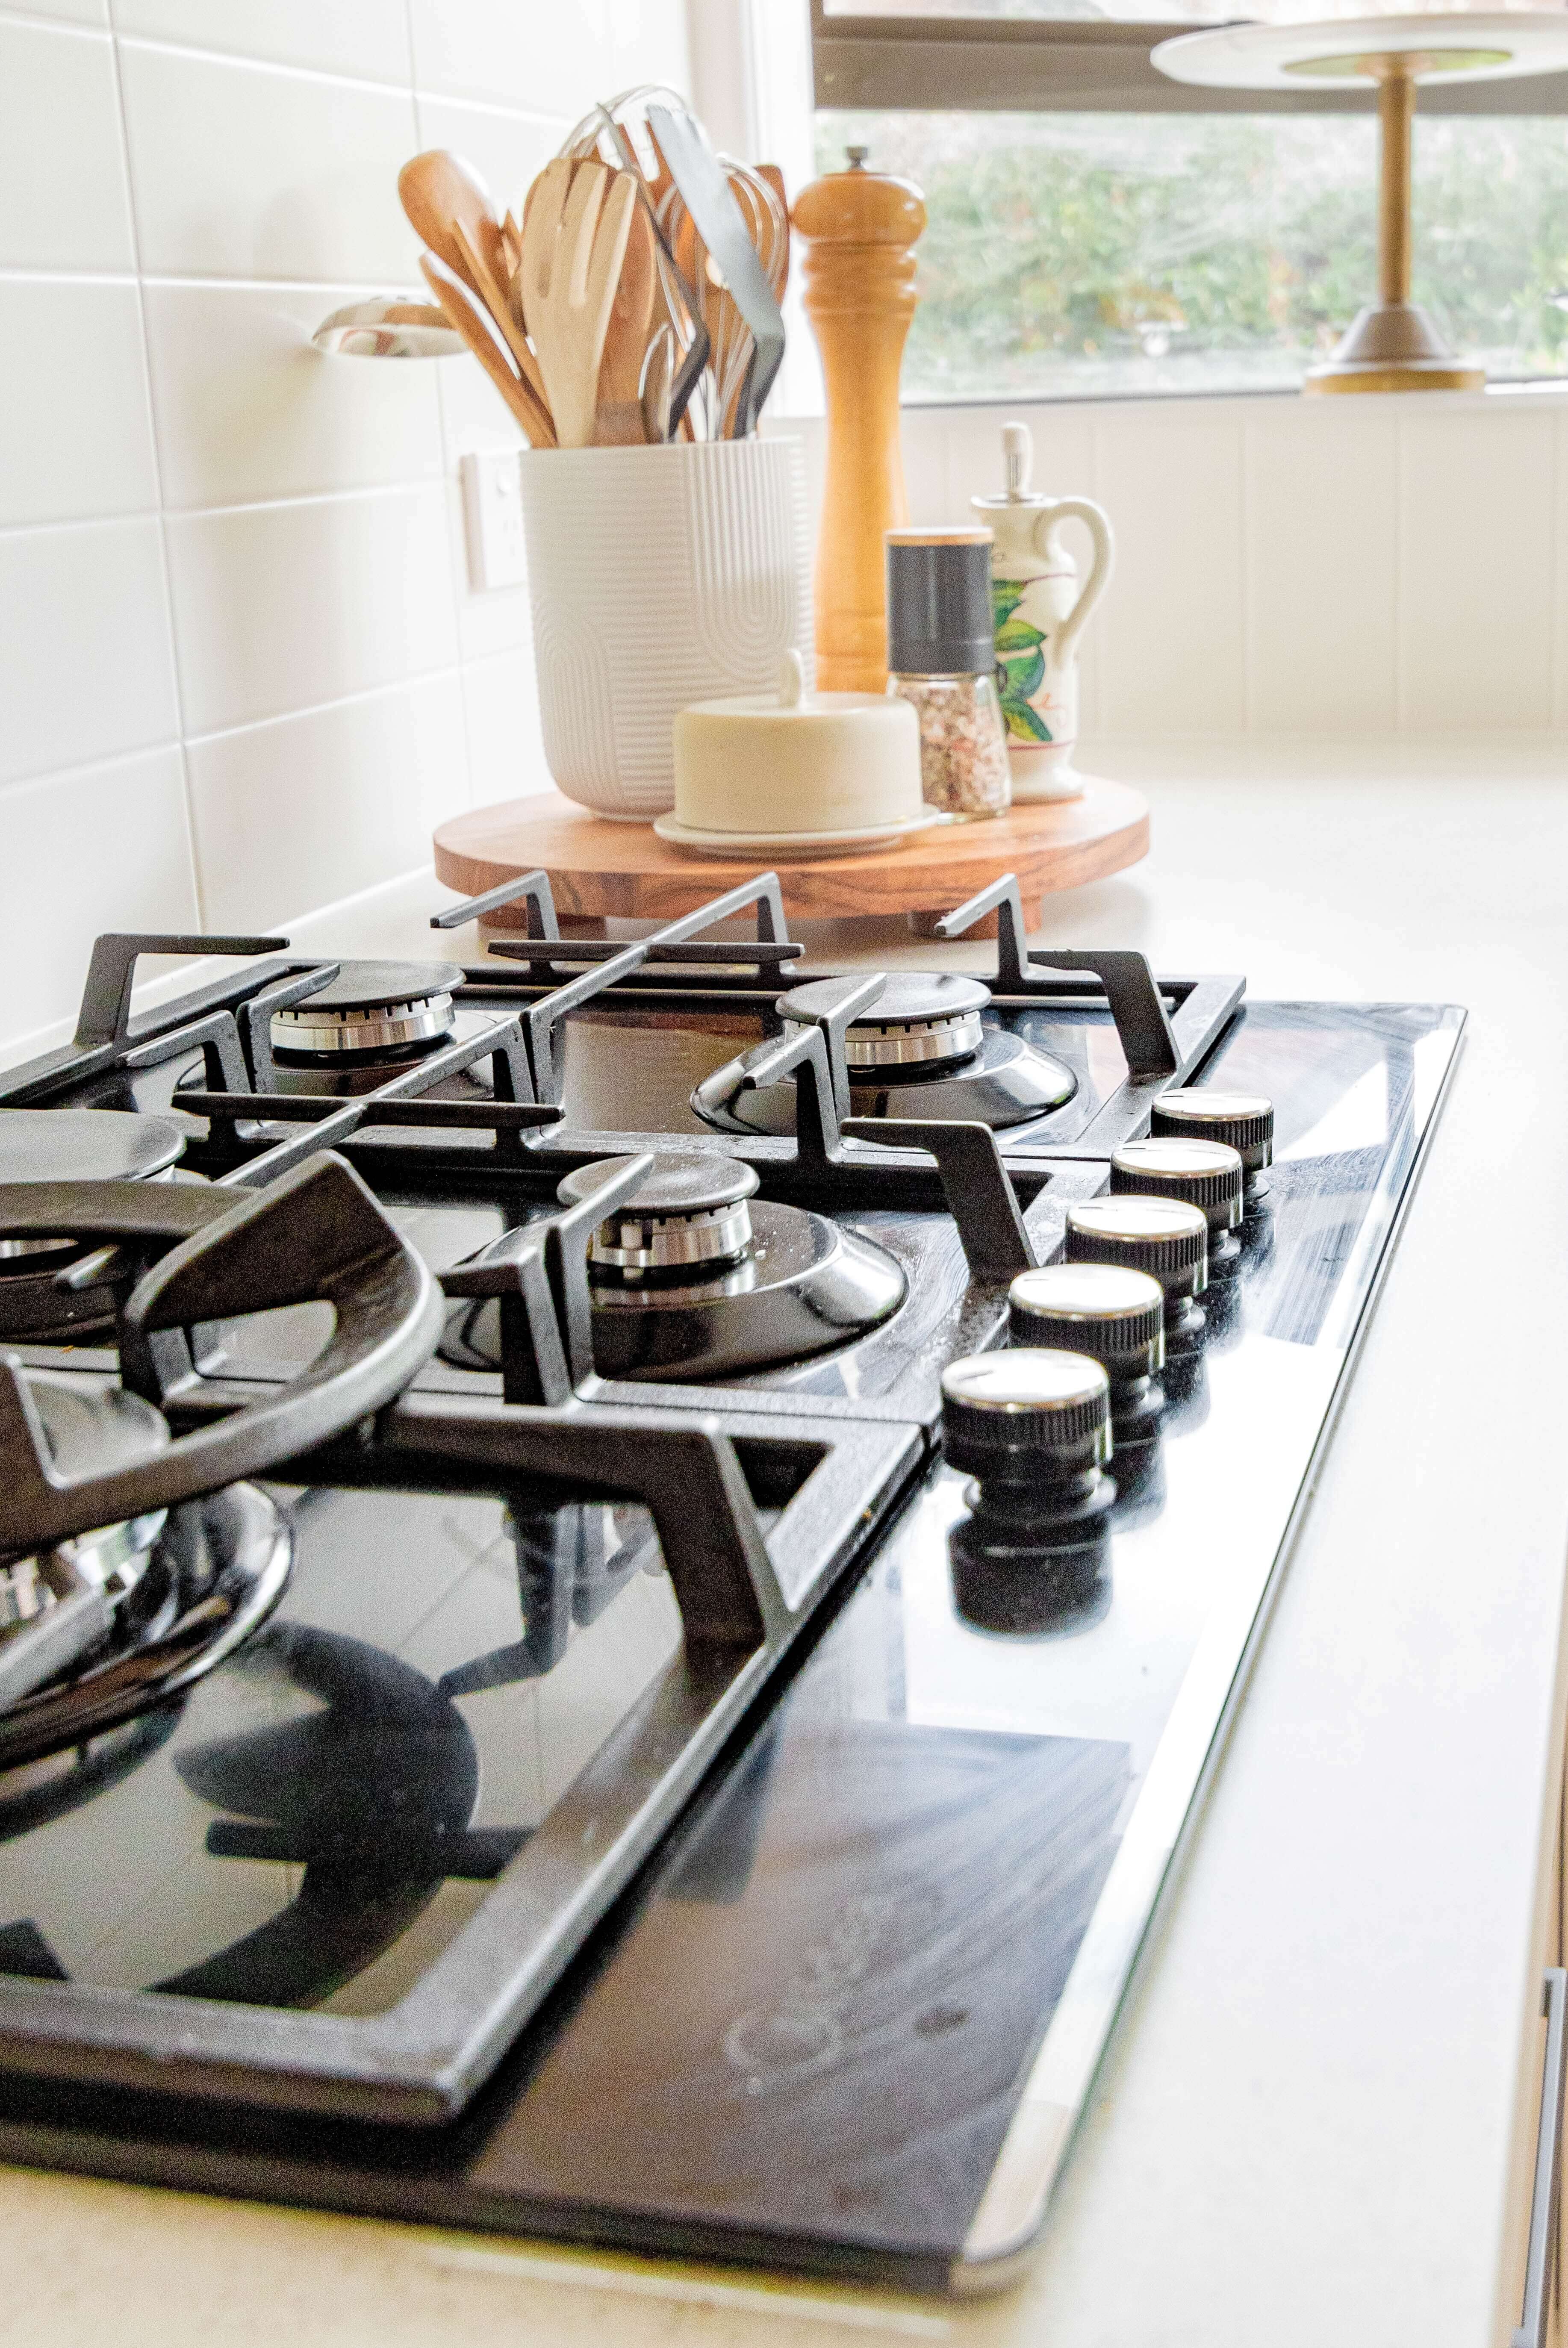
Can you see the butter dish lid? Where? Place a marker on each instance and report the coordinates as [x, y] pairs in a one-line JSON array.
[[791, 701]]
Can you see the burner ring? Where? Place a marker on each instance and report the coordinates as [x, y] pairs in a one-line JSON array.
[[913, 1043], [371, 1007], [921, 1019], [690, 1211]]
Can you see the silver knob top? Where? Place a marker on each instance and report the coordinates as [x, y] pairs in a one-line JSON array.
[[1208, 1175], [1245, 1120], [1028, 1404], [1110, 1312]]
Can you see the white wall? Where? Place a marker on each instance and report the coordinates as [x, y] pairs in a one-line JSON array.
[[241, 673], [1376, 566]]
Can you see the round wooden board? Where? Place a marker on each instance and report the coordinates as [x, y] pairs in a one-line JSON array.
[[598, 867]]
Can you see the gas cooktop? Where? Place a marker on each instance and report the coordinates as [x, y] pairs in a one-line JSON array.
[[618, 1570]]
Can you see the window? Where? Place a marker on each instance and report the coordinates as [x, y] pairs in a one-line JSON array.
[[1126, 234]]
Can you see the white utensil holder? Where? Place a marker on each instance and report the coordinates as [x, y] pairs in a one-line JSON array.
[[658, 577]]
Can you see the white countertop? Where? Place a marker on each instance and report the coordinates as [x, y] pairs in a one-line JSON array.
[[1310, 2128]]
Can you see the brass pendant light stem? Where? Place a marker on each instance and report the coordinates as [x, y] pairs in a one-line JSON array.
[[1396, 114]]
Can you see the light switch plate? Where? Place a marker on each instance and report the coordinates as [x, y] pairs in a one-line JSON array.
[[492, 509]]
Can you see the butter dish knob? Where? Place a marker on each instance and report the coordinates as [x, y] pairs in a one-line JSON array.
[[791, 681]]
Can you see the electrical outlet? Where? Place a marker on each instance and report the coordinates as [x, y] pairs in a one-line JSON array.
[[492, 508]]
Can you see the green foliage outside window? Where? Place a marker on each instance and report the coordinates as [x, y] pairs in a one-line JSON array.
[[1148, 252]]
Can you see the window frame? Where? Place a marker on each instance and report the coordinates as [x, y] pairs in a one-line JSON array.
[[927, 65]]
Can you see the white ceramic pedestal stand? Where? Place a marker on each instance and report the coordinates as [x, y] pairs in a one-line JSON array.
[[1393, 345]]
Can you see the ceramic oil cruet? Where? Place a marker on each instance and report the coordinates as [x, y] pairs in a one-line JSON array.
[[1041, 608]]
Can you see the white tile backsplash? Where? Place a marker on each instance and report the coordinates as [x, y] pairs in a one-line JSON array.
[[243, 170], [107, 849], [280, 607], [63, 202], [69, 12], [75, 434], [85, 657], [247, 409], [364, 39], [543, 57], [353, 791], [501, 700]]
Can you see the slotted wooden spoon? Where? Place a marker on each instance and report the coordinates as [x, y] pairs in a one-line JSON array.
[[618, 414], [574, 238]]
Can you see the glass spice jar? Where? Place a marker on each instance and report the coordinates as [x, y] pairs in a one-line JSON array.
[[942, 660]]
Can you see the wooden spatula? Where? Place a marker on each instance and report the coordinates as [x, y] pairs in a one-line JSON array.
[[618, 415], [574, 238], [465, 314], [496, 294]]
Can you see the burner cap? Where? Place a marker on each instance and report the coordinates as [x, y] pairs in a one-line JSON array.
[[690, 1210], [371, 1006], [79, 1145], [85, 1144], [921, 1019]]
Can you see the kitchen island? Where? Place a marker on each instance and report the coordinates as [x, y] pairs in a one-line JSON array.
[[1317, 2118]]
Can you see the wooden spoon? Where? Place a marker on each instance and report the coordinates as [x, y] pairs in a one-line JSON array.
[[449, 206], [618, 415], [497, 296], [464, 314], [574, 241], [438, 189]]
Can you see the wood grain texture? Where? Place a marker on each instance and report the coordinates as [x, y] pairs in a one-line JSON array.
[[621, 869], [857, 230]]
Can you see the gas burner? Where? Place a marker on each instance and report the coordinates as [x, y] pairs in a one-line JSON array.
[[371, 1011], [68, 1145], [106, 1624], [921, 1050], [690, 1214], [695, 1276]]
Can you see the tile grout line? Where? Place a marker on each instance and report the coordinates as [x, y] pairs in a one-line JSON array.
[[176, 679]]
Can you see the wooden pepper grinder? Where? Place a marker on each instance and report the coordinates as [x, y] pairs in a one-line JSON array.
[[860, 230]]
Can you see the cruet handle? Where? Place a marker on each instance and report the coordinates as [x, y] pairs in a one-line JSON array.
[[1098, 525]]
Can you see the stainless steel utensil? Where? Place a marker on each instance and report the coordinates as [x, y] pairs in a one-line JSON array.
[[708, 197]]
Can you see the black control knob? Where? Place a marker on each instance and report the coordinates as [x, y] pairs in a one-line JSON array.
[[1245, 1121], [1163, 1237], [1033, 1427], [1116, 1316], [1207, 1175]]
